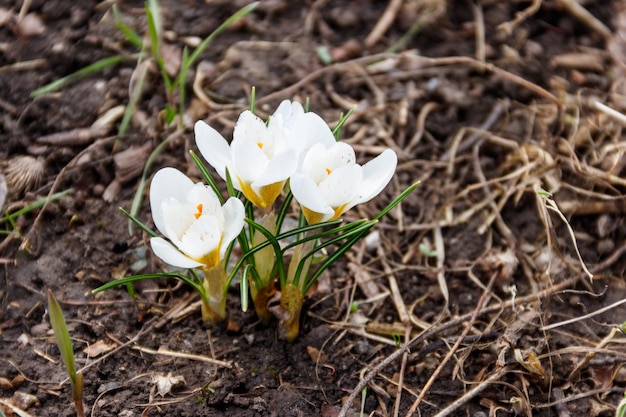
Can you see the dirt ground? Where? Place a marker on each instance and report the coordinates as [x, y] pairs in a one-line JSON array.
[[474, 302]]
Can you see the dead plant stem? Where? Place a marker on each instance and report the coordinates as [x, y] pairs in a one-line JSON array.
[[473, 392], [452, 351], [444, 326]]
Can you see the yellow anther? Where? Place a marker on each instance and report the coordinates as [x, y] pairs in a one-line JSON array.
[[260, 145], [328, 171]]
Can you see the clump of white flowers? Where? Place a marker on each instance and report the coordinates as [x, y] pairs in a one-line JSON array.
[[294, 154]]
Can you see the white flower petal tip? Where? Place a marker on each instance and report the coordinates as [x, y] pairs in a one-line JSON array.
[[259, 158], [329, 182], [213, 147], [376, 175], [169, 254], [191, 217]]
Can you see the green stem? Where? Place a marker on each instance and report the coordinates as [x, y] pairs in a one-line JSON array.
[[262, 289]]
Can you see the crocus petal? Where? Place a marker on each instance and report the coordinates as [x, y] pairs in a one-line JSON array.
[[249, 161], [168, 183], [376, 175], [201, 242], [213, 147], [289, 111], [234, 214], [170, 255], [309, 129], [178, 217], [321, 161], [203, 199], [249, 128], [340, 188], [278, 169], [308, 194]]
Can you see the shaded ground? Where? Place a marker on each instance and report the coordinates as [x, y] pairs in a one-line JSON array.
[[483, 120]]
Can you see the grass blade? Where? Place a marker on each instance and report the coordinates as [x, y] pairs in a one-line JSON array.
[[90, 69]]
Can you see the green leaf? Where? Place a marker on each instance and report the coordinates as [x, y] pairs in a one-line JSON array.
[[138, 198], [353, 237], [397, 200], [244, 289], [132, 36], [426, 251], [88, 70], [62, 336], [253, 99], [139, 224], [274, 242], [123, 281], [33, 206], [342, 120], [206, 175], [239, 14]]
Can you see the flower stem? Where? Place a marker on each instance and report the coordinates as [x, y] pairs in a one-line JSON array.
[[264, 260], [214, 306], [291, 302], [292, 296]]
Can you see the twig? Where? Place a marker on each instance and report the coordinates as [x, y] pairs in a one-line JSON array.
[[508, 27], [584, 317], [383, 24], [473, 392], [166, 352], [550, 204], [442, 327], [582, 14], [480, 32], [405, 357], [620, 117], [453, 349], [26, 244], [441, 257]]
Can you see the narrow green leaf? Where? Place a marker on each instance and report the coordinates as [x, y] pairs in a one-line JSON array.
[[33, 206], [139, 224], [153, 31], [253, 99], [180, 83], [138, 198], [239, 14], [135, 96], [404, 194], [244, 289], [342, 120], [123, 281], [132, 36], [62, 336], [88, 70], [206, 175], [284, 209], [274, 242], [333, 258]]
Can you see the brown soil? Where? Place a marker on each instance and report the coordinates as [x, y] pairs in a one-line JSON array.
[[482, 136]]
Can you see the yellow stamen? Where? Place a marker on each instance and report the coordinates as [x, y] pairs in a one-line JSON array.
[[199, 212], [260, 145], [328, 171]]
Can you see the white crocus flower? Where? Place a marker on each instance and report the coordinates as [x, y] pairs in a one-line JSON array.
[[199, 229], [329, 181], [259, 159], [290, 111]]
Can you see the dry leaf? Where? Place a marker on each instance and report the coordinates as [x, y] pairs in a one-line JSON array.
[[165, 383], [529, 360], [99, 348], [315, 354]]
